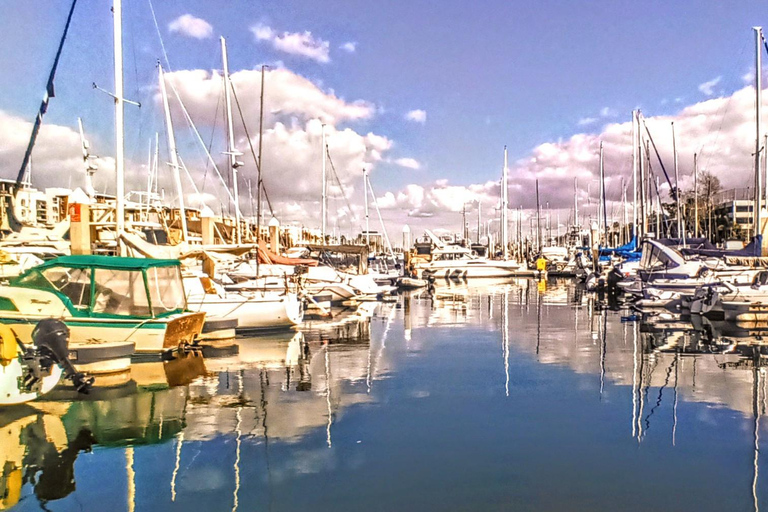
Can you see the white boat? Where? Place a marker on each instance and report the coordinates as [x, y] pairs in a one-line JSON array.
[[254, 307], [456, 262]]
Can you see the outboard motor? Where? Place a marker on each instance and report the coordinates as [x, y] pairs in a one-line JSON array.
[[51, 339], [614, 277]]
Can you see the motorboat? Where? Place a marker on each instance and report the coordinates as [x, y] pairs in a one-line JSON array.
[[103, 300]]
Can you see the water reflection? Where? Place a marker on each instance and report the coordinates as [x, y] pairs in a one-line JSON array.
[[499, 388]]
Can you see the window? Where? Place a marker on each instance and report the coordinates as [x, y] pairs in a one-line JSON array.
[[166, 290], [75, 283], [120, 292]]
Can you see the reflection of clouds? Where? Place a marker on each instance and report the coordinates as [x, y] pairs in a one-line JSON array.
[[563, 327]]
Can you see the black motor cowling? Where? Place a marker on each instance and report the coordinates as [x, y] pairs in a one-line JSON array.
[[51, 337]]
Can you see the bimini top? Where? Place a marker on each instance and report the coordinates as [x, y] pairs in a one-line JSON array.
[[110, 286], [110, 262]]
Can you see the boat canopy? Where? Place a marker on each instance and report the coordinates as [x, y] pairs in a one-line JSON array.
[[109, 286], [345, 257], [659, 256], [703, 247], [117, 262]]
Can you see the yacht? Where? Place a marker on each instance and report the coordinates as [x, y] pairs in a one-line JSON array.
[[451, 261]]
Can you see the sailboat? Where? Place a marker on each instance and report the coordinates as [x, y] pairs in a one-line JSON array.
[[264, 304]]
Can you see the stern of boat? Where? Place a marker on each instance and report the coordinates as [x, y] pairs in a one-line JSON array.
[[183, 330]]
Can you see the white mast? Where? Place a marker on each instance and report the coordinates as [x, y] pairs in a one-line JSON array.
[[758, 136], [576, 202], [324, 212], [680, 232], [174, 156], [624, 211], [634, 173], [231, 151], [479, 219], [658, 211], [504, 199], [117, 22], [601, 222], [696, 195], [365, 195]]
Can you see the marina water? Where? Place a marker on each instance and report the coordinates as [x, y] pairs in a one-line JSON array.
[[505, 395]]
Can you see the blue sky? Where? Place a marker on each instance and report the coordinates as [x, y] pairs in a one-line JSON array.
[[486, 74]]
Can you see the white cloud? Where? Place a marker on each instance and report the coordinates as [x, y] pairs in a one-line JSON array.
[[408, 163], [350, 47], [722, 137], [287, 96], [302, 44], [607, 112], [586, 121], [708, 88], [190, 26], [295, 110], [417, 116]]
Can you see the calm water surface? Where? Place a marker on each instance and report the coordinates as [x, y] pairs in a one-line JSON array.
[[510, 396]]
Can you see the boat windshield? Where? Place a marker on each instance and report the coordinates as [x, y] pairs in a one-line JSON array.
[[451, 256], [120, 292], [654, 258], [166, 290]]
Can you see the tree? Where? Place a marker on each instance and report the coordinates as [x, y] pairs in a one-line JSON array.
[[709, 187]]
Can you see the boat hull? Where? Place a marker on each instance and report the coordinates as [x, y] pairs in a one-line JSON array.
[[154, 335], [256, 311]]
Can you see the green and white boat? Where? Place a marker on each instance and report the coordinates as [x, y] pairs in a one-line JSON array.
[[104, 300]]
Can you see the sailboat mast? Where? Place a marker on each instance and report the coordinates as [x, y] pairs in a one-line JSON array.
[[365, 195], [680, 232], [259, 183], [624, 212], [479, 219], [324, 212], [117, 22], [643, 179], [538, 218], [575, 202], [658, 210], [174, 156], [504, 199], [696, 195], [758, 111], [233, 163], [634, 173], [601, 207]]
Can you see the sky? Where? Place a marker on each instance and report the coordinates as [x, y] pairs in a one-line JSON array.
[[423, 94]]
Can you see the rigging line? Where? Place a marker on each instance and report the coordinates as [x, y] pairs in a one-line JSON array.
[[245, 127], [658, 156], [191, 124], [187, 117], [49, 93], [192, 181], [338, 182], [210, 142], [140, 125], [159, 36], [266, 196], [722, 119], [260, 182]]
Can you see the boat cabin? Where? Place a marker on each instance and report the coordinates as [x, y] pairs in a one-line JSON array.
[[109, 286]]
